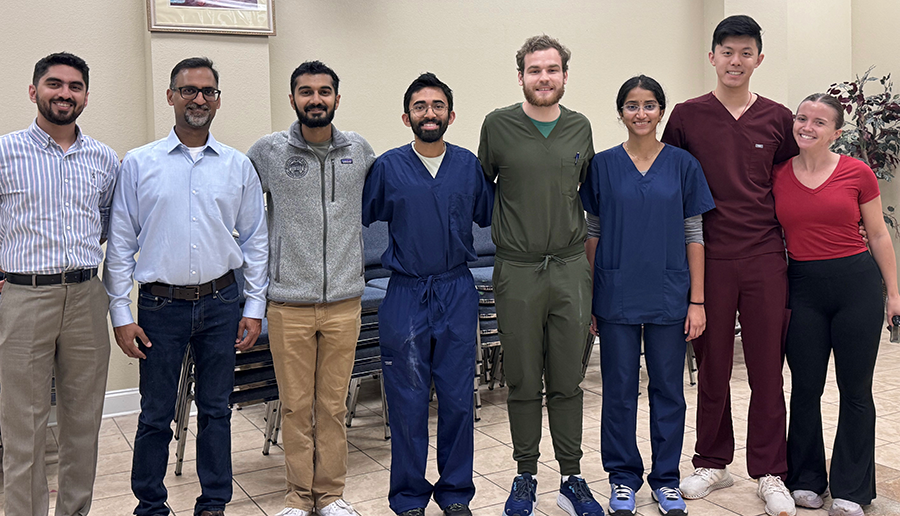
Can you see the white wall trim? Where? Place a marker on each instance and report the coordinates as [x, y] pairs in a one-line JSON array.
[[122, 402]]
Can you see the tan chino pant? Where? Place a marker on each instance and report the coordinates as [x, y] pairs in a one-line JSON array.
[[313, 347], [42, 328]]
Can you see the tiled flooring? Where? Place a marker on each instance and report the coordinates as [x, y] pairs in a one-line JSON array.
[[258, 479]]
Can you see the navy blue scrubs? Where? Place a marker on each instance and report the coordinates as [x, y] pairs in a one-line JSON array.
[[428, 319], [641, 284]]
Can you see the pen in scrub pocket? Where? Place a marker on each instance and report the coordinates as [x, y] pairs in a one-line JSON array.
[[577, 155]]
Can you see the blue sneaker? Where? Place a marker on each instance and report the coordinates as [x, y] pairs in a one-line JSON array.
[[576, 499], [522, 497], [621, 500], [670, 501]]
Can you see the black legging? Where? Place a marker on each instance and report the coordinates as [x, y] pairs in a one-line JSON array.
[[836, 305]]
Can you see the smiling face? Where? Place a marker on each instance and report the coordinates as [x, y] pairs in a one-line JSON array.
[[429, 126], [735, 60], [198, 112], [543, 80], [814, 126], [315, 100], [60, 95], [641, 112]]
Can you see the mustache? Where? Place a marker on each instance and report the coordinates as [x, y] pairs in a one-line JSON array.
[[63, 99], [310, 107], [194, 105]]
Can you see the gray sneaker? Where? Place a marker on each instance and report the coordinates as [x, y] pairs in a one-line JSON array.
[[704, 481]]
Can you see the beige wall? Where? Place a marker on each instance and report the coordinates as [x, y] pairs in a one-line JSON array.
[[379, 47]]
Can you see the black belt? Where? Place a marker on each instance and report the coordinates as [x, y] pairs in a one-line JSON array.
[[189, 292], [63, 278]]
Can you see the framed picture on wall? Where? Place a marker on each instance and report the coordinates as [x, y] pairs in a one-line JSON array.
[[253, 17]]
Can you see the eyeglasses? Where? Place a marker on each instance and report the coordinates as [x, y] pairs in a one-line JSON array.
[[634, 108], [190, 93], [438, 108]]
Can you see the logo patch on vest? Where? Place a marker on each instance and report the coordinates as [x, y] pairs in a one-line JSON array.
[[296, 167], [347, 161]]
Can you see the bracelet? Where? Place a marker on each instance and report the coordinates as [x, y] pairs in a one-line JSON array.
[[693, 303]]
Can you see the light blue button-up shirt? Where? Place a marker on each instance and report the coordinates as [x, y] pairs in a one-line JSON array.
[[54, 205], [181, 215]]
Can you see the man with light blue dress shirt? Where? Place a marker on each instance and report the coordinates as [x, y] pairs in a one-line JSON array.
[[56, 186], [178, 202]]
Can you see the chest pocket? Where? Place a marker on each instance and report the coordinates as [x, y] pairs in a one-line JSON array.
[[759, 162], [568, 177], [461, 208]]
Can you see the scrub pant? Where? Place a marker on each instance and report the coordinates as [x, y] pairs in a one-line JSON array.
[[836, 306], [757, 288], [620, 355], [544, 316], [42, 328], [427, 331], [209, 325]]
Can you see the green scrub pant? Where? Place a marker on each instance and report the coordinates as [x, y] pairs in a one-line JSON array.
[[544, 314]]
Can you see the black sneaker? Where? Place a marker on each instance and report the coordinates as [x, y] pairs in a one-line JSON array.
[[457, 509], [418, 511]]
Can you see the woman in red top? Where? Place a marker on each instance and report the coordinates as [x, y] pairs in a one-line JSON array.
[[836, 306]]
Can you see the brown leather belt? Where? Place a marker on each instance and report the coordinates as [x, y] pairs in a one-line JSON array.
[[63, 278], [189, 292]]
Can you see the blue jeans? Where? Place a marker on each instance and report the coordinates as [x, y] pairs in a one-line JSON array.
[[210, 326]]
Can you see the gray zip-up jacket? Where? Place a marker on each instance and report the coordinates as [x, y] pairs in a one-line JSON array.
[[314, 213]]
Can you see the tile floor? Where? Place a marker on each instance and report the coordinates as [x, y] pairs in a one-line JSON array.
[[258, 479]]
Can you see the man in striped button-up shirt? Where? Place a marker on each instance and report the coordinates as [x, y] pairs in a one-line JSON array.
[[56, 186]]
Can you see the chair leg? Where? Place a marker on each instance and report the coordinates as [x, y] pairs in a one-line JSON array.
[[183, 408], [384, 410], [273, 418], [691, 361], [352, 399]]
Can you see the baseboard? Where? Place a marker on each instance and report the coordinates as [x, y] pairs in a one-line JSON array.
[[122, 402]]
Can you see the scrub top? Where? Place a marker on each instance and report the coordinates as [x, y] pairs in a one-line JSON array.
[[640, 269], [429, 218]]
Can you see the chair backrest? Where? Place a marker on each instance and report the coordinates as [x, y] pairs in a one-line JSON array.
[[375, 242], [484, 247]]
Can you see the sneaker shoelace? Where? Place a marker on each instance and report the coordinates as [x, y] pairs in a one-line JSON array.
[[623, 492], [670, 493], [454, 507], [704, 473], [772, 485], [580, 488], [522, 489]]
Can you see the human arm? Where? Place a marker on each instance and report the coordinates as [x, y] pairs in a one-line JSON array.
[[118, 272], [695, 322], [883, 252], [253, 239], [484, 198], [106, 196], [485, 156], [375, 205]]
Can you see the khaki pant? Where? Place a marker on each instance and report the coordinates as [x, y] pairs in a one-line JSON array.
[[313, 347], [42, 328]]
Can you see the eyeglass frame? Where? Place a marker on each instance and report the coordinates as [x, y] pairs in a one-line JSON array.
[[422, 109], [215, 91]]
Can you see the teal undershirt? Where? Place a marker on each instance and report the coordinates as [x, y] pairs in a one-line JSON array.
[[544, 127]]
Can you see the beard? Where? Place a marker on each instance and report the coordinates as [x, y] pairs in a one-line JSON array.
[[196, 121], [430, 135], [315, 121], [46, 110], [536, 101]]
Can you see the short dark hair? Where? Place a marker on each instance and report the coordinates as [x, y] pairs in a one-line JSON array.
[[542, 42], [737, 25], [315, 68], [190, 63], [830, 101], [60, 58], [643, 82], [427, 80]]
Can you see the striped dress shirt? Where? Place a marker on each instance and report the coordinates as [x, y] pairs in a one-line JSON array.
[[54, 205]]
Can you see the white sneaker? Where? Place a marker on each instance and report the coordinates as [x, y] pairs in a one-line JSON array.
[[290, 511], [338, 508], [777, 497], [704, 481], [841, 507], [808, 499]]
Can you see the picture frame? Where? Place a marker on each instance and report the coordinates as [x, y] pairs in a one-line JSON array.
[[247, 17]]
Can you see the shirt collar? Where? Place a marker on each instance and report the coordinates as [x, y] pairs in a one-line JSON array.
[[172, 143], [43, 139]]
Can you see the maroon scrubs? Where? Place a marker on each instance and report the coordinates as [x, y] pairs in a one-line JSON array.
[[745, 272]]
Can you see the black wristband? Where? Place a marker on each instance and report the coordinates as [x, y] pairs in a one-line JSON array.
[[698, 304]]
